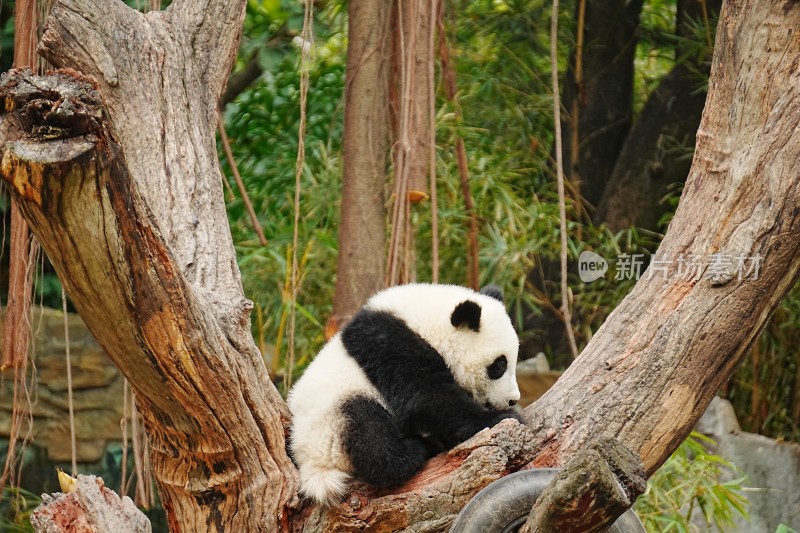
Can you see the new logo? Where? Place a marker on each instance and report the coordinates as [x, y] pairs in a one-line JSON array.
[[591, 267]]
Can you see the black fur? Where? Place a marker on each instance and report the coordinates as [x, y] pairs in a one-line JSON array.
[[468, 314], [426, 404], [493, 291], [379, 452], [497, 368]]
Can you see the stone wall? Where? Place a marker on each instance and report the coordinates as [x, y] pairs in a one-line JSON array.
[[96, 385]]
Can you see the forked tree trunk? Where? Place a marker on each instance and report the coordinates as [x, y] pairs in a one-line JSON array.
[[135, 225]]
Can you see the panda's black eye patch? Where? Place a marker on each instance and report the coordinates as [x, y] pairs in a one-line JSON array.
[[497, 368]]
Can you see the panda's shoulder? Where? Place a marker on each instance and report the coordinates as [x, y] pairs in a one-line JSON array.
[[332, 376]]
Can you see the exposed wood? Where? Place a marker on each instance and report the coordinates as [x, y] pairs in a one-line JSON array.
[[431, 500], [599, 484], [136, 228], [90, 506]]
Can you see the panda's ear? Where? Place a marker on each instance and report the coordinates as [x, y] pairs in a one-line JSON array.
[[494, 291], [466, 314]]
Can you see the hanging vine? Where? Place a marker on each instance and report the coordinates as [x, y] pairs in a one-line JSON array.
[[449, 77], [562, 211], [307, 39], [22, 258], [412, 101]]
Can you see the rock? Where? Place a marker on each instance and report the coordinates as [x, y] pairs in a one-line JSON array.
[[719, 419], [772, 468], [535, 365], [97, 391]]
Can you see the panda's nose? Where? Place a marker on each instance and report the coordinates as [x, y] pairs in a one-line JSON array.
[[512, 403]]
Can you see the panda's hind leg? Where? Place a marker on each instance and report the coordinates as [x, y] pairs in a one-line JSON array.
[[378, 451]]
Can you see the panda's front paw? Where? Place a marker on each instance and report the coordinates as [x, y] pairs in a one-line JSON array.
[[508, 413]]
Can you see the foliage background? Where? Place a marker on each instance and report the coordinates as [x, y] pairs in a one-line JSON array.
[[501, 55]]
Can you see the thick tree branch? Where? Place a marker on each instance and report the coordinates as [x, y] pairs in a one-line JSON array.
[[215, 428], [136, 227], [139, 235], [651, 370], [599, 484], [431, 500]]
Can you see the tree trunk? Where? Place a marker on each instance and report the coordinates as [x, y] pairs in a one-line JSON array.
[[651, 159], [136, 229], [139, 236], [360, 266], [410, 90], [602, 99]]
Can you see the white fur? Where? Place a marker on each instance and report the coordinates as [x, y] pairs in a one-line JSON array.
[[334, 376], [316, 442]]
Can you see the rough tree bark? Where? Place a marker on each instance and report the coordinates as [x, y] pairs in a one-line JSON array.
[[135, 226], [410, 88], [411, 105], [359, 270]]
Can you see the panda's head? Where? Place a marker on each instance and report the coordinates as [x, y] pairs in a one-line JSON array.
[[482, 352], [470, 330]]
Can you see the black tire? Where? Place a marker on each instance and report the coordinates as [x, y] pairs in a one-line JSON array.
[[504, 505]]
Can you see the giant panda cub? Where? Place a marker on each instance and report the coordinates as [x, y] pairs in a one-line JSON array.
[[419, 369]]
